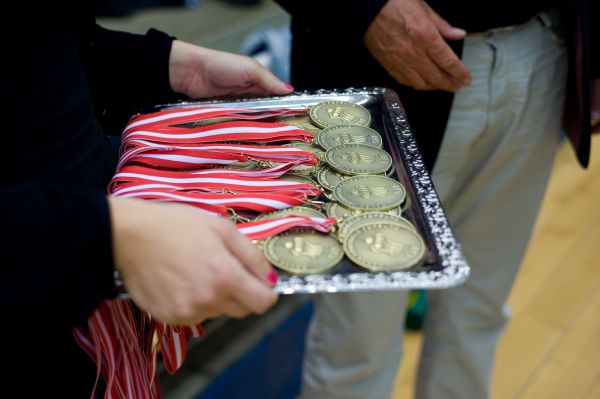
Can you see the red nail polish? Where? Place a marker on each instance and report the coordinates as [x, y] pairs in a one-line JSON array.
[[272, 277], [289, 86]]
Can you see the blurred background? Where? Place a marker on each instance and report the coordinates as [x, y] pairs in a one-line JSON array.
[[259, 28], [550, 349]]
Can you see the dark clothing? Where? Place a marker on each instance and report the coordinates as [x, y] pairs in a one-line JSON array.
[[328, 52], [60, 71], [480, 16]]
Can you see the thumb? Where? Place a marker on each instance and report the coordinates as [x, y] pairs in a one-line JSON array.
[[446, 30]]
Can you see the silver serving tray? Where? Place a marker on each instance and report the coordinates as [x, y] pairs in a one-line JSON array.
[[444, 265]]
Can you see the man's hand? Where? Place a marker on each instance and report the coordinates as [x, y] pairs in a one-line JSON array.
[[407, 38], [200, 72], [183, 267]]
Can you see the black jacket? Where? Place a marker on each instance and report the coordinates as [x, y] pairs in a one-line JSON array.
[[328, 52], [59, 71]]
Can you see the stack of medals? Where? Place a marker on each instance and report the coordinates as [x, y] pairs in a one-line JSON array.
[[266, 169], [367, 204]]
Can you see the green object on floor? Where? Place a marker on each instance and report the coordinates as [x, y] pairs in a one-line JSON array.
[[417, 308]]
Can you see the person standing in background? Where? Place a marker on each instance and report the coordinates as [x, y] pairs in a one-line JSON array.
[[64, 79], [484, 87]]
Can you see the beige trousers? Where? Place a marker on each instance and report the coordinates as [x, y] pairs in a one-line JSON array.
[[491, 175]]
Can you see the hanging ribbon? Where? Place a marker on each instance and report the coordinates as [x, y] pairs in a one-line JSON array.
[[237, 131], [202, 155], [260, 230]]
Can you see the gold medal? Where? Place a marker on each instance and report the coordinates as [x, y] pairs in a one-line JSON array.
[[370, 193], [358, 159], [293, 211], [303, 122], [328, 178], [348, 134], [356, 221], [330, 113], [337, 211], [303, 251], [384, 246]]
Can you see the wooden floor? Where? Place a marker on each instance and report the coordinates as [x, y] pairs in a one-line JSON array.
[[551, 348]]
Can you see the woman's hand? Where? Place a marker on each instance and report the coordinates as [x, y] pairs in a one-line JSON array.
[[183, 267], [200, 72]]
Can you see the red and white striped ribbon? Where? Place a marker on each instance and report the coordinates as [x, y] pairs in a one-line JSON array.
[[202, 155], [136, 178], [180, 159], [119, 339], [202, 113], [256, 202], [237, 131], [259, 230], [235, 186], [271, 172]]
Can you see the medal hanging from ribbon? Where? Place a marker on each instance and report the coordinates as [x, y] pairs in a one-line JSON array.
[[162, 159]]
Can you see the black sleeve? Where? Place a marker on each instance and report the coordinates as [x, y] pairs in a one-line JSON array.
[[349, 19], [56, 252], [128, 72], [594, 45]]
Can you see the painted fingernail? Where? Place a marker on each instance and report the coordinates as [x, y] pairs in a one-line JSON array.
[[289, 86], [272, 277]]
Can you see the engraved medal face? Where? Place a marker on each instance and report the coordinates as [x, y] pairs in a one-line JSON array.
[[328, 178], [384, 246], [358, 159], [356, 221], [303, 252], [293, 211], [330, 113], [303, 122], [370, 193], [348, 134]]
